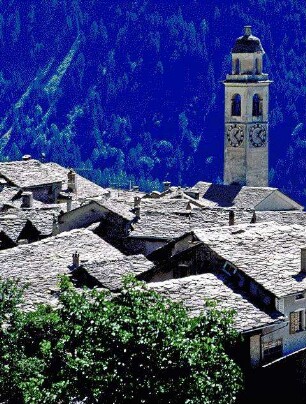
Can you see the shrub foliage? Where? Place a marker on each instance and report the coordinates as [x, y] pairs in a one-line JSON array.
[[136, 346]]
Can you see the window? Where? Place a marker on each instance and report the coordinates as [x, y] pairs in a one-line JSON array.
[[297, 321], [300, 296], [236, 105], [257, 105], [181, 271], [272, 350], [257, 66], [237, 66]]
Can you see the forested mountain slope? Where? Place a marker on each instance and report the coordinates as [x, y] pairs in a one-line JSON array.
[[131, 90]]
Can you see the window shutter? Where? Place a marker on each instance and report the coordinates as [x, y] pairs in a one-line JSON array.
[[294, 322], [280, 306]]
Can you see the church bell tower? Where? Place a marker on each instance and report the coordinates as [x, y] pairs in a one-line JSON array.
[[246, 115]]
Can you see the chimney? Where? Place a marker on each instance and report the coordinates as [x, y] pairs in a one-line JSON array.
[[303, 259], [253, 220], [231, 218], [135, 188], [72, 181], [76, 259], [167, 185], [55, 227], [247, 30], [27, 200], [26, 157], [69, 204], [137, 201]]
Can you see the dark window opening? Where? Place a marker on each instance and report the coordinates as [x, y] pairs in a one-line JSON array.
[[237, 66], [272, 350], [257, 105], [257, 66], [236, 105]]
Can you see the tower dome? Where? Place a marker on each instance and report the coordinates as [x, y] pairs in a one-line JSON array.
[[248, 43]]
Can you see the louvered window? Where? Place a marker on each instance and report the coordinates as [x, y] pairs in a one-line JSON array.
[[297, 321]]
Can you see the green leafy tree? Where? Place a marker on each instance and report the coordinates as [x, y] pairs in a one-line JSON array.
[[135, 347]]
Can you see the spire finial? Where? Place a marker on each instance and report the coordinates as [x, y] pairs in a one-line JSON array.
[[247, 30]]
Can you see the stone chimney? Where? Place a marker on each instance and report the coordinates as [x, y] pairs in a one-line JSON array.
[[27, 199], [254, 219], [303, 259], [137, 201], [247, 30], [231, 218], [26, 157], [69, 204], [167, 185], [55, 226], [72, 181], [76, 259]]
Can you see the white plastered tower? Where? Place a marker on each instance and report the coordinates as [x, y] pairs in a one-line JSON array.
[[246, 115]]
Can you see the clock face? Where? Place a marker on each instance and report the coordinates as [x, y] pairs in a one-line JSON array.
[[258, 135], [235, 135]]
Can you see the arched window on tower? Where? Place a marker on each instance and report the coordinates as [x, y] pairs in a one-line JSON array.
[[257, 105], [237, 66], [236, 105]]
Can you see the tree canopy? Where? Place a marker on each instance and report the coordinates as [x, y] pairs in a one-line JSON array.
[[135, 346]]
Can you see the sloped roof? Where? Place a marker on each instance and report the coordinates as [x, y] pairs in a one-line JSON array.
[[192, 291], [85, 187], [167, 225], [110, 272], [29, 173], [269, 253], [40, 263], [235, 195]]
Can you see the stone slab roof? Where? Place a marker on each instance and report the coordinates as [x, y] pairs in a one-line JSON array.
[[85, 187], [29, 173], [39, 264], [269, 253], [116, 207], [233, 195], [110, 272], [192, 291], [171, 223], [282, 217], [13, 221]]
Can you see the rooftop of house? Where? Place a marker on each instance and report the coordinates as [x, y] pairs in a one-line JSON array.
[[85, 188], [170, 222], [244, 197], [39, 264], [282, 217], [28, 173], [109, 273], [33, 173], [269, 253], [193, 291]]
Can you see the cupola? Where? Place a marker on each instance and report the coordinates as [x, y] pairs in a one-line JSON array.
[[247, 54]]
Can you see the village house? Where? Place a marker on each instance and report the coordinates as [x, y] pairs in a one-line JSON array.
[[80, 254], [241, 243]]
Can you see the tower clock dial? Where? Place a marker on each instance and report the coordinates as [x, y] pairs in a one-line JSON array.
[[258, 135], [235, 135]]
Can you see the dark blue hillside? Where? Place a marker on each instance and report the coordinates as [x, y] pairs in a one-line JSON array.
[[131, 91]]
